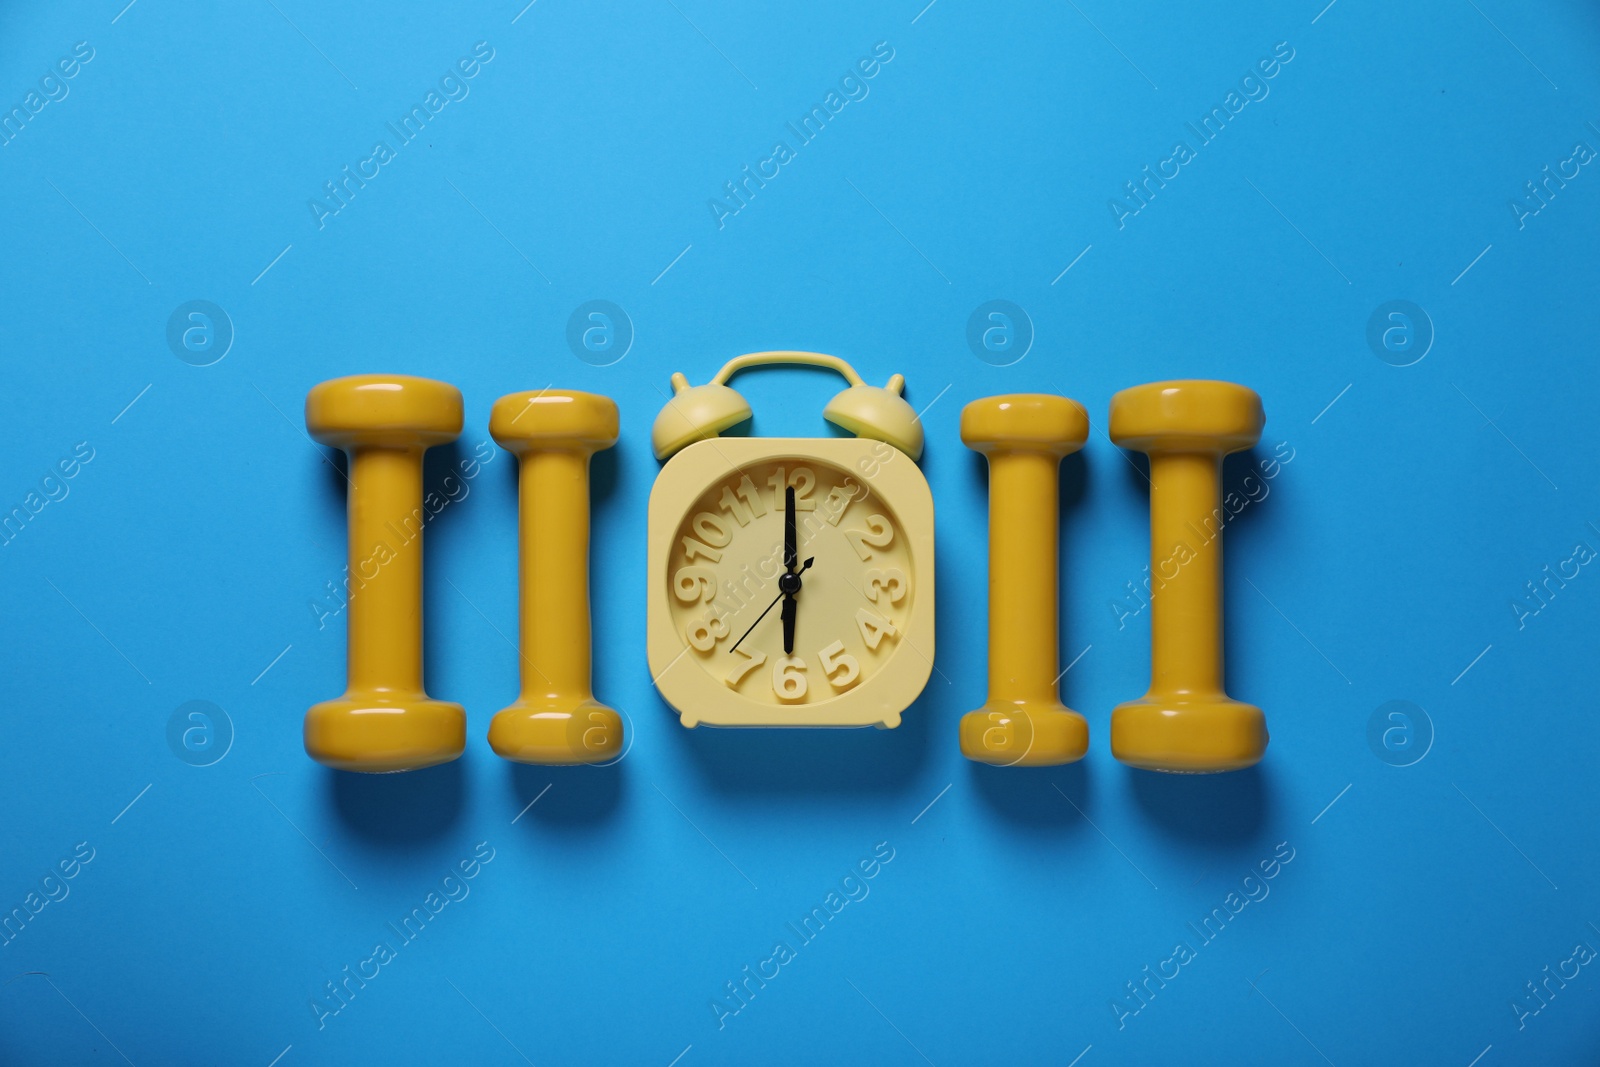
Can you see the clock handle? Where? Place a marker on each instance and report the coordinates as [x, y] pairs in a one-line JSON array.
[[1024, 722], [808, 359], [555, 719], [697, 412]]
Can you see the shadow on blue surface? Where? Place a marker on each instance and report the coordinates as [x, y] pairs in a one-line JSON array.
[[1211, 809], [566, 798], [397, 809], [1038, 799], [1207, 809], [800, 762]]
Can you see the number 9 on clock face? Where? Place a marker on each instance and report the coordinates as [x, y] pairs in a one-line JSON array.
[[791, 582]]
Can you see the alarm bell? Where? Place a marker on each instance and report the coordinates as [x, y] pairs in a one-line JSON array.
[[697, 412]]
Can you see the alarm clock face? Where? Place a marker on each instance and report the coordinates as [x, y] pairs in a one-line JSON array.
[[831, 625]]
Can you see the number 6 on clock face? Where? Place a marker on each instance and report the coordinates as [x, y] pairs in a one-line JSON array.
[[789, 586], [788, 678]]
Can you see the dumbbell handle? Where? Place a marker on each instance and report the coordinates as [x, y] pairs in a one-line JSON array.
[[1023, 578], [553, 526], [385, 623], [1186, 573]]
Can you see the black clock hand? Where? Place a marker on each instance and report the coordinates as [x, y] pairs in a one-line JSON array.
[[753, 625], [790, 585], [784, 581], [788, 625], [791, 548]]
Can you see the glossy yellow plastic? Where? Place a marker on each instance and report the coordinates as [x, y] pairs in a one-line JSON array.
[[555, 719], [1186, 723], [1024, 723], [385, 721]]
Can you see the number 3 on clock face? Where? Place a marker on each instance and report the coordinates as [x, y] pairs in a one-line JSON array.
[[791, 582]]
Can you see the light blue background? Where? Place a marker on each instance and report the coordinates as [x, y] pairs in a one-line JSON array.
[[1382, 565]]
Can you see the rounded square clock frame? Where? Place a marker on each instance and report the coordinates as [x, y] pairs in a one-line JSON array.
[[698, 686]]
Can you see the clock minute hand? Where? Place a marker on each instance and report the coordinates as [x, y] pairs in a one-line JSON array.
[[791, 547]]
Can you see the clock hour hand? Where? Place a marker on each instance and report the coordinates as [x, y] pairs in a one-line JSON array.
[[789, 585]]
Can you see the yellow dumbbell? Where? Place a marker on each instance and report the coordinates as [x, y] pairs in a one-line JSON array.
[[556, 718], [1024, 722], [1186, 722], [385, 721]]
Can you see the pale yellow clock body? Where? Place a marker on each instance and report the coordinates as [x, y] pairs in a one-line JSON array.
[[864, 618]]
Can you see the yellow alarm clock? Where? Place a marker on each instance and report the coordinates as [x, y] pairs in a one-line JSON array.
[[790, 579]]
